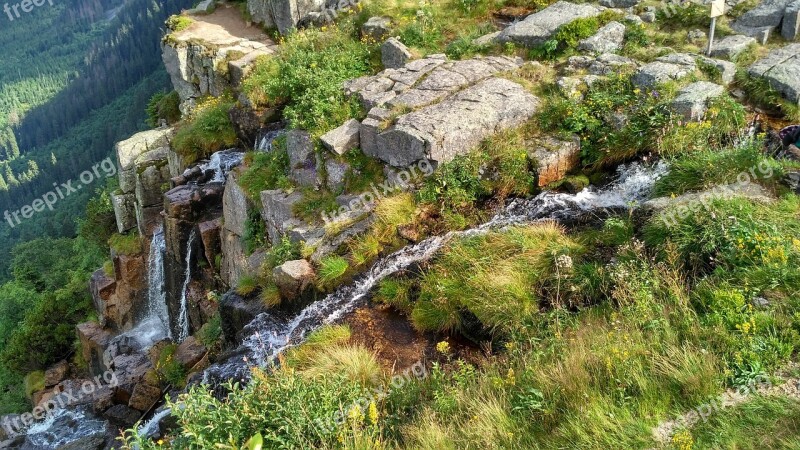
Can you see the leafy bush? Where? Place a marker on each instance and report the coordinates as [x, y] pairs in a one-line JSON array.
[[169, 369], [286, 409], [307, 75], [163, 107], [126, 244], [255, 232], [207, 130], [265, 171]]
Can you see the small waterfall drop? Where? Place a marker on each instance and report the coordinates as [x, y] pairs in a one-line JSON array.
[[183, 317], [157, 310], [221, 163], [268, 337], [264, 142]]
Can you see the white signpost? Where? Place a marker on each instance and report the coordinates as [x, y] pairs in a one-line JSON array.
[[717, 9]]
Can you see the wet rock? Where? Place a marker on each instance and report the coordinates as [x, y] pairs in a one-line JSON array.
[[190, 352], [394, 54], [540, 26], [555, 158], [377, 28], [293, 278], [730, 47], [210, 236], [456, 125], [342, 139], [692, 100], [781, 70], [122, 416], [233, 258], [56, 374], [93, 339], [607, 40], [144, 396], [236, 312]]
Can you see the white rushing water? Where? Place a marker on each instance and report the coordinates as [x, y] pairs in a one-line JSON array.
[[157, 311], [183, 316], [268, 337], [222, 163], [264, 142]]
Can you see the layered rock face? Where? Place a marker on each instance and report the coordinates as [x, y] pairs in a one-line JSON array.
[[213, 54], [235, 208], [284, 15], [143, 176]]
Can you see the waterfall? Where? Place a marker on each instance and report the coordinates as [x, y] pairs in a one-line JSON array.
[[264, 142], [221, 163], [157, 310], [183, 317], [268, 337]]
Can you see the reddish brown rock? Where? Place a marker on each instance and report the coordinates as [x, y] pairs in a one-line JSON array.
[[210, 235], [190, 352], [144, 396], [102, 288], [131, 270], [94, 339], [56, 374], [554, 158]]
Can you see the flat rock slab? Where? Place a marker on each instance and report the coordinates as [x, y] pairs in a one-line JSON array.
[[607, 40], [342, 139], [456, 125], [665, 68], [781, 68], [731, 46], [768, 13], [692, 100], [539, 27], [425, 81]]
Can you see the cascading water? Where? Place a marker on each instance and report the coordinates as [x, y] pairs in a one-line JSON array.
[[221, 163], [268, 336], [156, 295], [264, 142], [183, 316]]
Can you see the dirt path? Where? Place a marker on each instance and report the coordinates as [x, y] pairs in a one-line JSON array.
[[224, 26]]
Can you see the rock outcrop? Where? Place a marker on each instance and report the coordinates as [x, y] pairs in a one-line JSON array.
[[143, 176], [692, 100], [457, 105], [781, 69], [213, 54], [284, 15], [540, 26]]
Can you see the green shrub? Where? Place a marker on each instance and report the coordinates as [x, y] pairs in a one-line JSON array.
[[307, 75], [207, 130], [280, 252], [126, 244], [255, 232], [211, 333], [179, 22], [286, 409], [265, 171], [163, 106], [170, 370]]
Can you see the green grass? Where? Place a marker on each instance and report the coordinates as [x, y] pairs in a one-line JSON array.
[[306, 76], [331, 270], [126, 244], [206, 131], [760, 423], [266, 171]]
